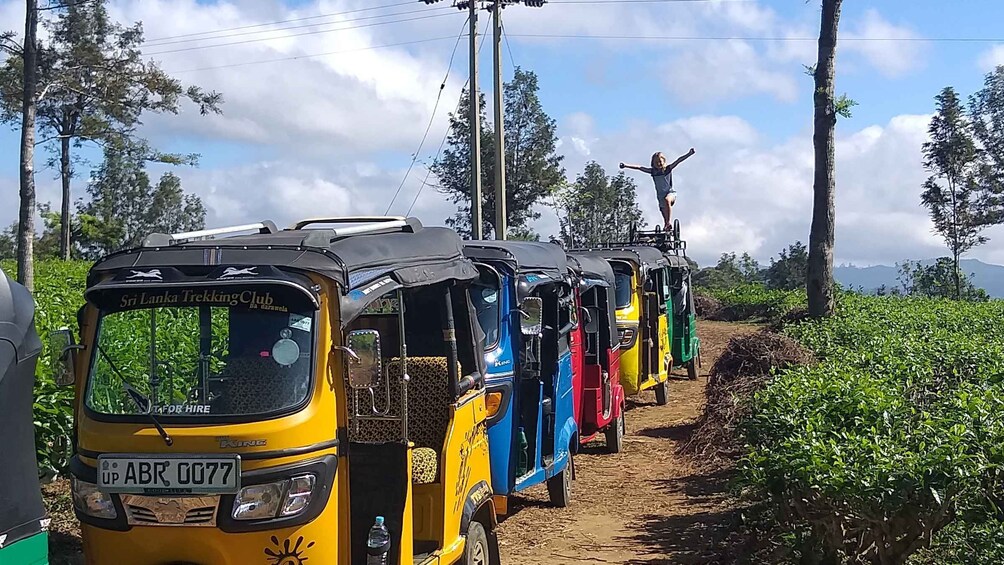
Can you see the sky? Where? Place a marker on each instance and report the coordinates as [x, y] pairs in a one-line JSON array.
[[324, 114]]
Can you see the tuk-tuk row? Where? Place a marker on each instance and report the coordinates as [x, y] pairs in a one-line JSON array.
[[351, 387]]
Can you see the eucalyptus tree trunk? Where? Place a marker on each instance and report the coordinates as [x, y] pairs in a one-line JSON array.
[[819, 284], [26, 214]]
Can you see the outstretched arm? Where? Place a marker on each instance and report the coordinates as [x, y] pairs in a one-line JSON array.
[[636, 167], [682, 158]]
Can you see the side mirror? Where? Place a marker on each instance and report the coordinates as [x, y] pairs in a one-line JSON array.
[[592, 320], [364, 359], [62, 354], [532, 318]]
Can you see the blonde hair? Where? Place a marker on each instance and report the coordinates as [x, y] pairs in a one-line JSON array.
[[655, 159]]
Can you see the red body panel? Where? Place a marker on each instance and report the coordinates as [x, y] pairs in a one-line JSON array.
[[598, 400]]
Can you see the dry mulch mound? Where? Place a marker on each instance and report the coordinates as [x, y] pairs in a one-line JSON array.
[[745, 367], [791, 317], [706, 306]]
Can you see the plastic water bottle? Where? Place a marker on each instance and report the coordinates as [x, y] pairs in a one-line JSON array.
[[378, 543]]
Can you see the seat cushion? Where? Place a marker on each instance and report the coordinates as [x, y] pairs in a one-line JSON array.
[[424, 466]]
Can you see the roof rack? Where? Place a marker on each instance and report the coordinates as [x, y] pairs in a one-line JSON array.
[[363, 224], [163, 239]]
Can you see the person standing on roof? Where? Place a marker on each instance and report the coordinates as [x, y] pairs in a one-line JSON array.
[[662, 175]]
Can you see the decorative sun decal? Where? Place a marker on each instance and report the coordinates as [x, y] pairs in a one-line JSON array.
[[287, 553]]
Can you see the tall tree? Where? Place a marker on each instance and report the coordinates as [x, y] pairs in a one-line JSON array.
[[533, 168], [598, 208], [819, 284], [986, 117], [124, 207], [98, 86], [19, 102], [953, 191]]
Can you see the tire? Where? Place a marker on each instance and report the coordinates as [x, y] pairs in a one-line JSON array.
[[559, 487], [477, 550], [662, 393], [615, 434], [692, 369]]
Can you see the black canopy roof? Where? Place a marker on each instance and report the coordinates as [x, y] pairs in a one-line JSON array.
[[361, 264], [21, 509], [677, 261], [644, 256], [593, 266], [523, 256]]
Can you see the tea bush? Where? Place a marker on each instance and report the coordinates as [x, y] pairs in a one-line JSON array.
[[892, 443], [58, 295]]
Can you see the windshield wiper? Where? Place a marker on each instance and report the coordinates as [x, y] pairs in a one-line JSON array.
[[144, 404]]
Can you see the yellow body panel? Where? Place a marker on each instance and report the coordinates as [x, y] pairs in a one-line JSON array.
[[432, 512], [631, 364]]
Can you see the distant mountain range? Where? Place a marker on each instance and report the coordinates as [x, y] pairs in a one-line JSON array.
[[984, 275]]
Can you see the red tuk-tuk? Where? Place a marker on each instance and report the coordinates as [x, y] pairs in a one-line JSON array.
[[599, 396]]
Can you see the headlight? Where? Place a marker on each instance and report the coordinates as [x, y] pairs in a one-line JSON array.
[[270, 500], [87, 499], [493, 401]]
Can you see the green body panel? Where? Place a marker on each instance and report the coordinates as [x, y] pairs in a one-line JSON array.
[[29, 551], [683, 333]]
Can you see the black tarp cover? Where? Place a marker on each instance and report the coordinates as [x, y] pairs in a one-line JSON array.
[[365, 266], [21, 511], [645, 257], [534, 263]]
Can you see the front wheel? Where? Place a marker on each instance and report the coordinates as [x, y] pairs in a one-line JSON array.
[[559, 487], [478, 551], [615, 434], [662, 393], [692, 369]]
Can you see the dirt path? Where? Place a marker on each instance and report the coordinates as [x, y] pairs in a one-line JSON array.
[[643, 505]]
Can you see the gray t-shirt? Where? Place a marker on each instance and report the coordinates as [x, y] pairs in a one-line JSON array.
[[663, 181]]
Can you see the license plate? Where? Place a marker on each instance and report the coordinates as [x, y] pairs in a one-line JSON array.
[[142, 474]]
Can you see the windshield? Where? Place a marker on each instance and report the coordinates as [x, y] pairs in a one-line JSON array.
[[485, 296], [623, 290], [233, 357]]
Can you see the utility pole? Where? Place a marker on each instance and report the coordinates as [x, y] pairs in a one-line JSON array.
[[476, 198], [500, 207]]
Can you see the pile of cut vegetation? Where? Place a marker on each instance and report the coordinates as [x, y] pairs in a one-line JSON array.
[[745, 367], [706, 306]]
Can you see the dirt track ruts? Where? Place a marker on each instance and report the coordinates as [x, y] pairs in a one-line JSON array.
[[645, 505]]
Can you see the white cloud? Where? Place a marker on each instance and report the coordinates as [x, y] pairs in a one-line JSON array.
[[726, 70], [891, 58], [739, 193], [992, 57]]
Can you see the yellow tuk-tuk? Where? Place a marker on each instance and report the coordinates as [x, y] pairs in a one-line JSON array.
[[642, 290], [272, 398]]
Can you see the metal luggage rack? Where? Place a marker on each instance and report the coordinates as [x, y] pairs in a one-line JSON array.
[[347, 226]]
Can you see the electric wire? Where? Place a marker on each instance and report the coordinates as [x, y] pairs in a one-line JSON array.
[[755, 38], [432, 119], [473, 100]]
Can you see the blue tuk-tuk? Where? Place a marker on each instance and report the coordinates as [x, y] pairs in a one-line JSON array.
[[526, 309]]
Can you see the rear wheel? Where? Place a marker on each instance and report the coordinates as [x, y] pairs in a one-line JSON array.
[[477, 552], [559, 487], [692, 369], [615, 434], [662, 393]]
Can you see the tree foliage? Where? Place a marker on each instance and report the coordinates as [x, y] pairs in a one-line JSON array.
[[533, 168], [598, 208], [942, 279], [731, 271], [953, 191], [788, 272], [94, 86]]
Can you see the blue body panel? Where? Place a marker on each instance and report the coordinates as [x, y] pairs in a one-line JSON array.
[[503, 374]]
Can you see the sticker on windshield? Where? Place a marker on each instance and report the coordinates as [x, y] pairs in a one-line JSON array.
[[298, 322], [489, 295], [181, 409]]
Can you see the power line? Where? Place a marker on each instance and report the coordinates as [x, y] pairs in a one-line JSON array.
[[432, 119], [243, 33], [263, 24], [740, 38], [473, 100], [314, 55], [246, 41]]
